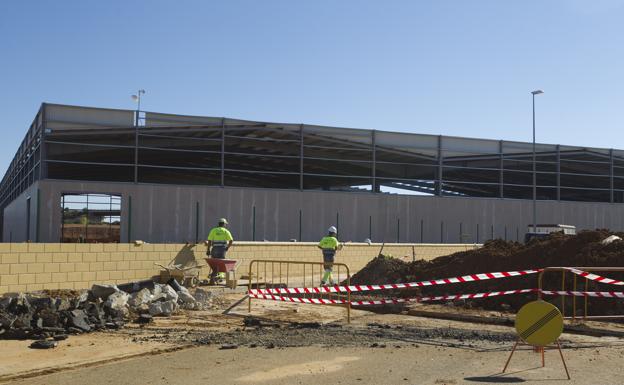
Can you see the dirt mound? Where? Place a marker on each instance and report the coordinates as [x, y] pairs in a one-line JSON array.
[[583, 249]]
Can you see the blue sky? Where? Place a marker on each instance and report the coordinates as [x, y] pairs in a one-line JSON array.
[[462, 68]]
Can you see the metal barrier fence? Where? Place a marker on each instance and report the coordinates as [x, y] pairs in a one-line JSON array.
[[273, 274], [575, 285]]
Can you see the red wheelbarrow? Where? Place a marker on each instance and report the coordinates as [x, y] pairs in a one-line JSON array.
[[223, 266]]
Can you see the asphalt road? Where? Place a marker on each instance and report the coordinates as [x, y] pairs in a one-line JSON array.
[[591, 363]]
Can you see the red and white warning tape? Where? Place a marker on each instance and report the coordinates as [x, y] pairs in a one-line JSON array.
[[599, 294], [321, 301], [356, 288], [453, 297], [594, 277]]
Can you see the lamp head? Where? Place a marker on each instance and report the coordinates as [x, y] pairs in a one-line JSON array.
[[537, 92]]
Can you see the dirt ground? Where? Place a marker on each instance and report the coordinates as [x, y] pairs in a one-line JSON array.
[[306, 344]]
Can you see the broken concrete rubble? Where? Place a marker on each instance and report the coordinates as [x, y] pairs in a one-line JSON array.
[[103, 291], [186, 299], [118, 301], [45, 315], [141, 297], [164, 292], [43, 344], [78, 319], [165, 308]]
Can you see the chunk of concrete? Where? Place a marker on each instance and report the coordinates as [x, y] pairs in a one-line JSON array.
[[202, 295], [62, 304], [118, 301], [79, 320], [164, 292], [43, 344], [7, 319], [164, 308], [133, 287], [610, 239], [185, 297], [60, 337], [103, 291], [5, 302], [141, 297], [144, 319]]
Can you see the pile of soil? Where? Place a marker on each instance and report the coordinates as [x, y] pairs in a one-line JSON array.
[[583, 249]]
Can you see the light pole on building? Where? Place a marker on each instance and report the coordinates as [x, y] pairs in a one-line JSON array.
[[536, 92], [137, 98]]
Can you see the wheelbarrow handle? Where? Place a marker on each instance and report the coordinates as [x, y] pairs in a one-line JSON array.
[[193, 267]]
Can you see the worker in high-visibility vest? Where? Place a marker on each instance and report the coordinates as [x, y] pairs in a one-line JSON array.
[[329, 245], [219, 242]]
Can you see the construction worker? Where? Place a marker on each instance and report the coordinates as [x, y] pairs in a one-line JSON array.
[[219, 242], [329, 245]]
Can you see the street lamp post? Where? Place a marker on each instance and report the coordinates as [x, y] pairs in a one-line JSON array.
[[536, 92], [137, 98]]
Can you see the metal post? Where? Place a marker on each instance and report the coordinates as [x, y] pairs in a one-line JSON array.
[[222, 152], [86, 238], [536, 92], [461, 232], [43, 165], [439, 188], [129, 218], [442, 232], [62, 217], [300, 225], [563, 274], [422, 231], [374, 156], [477, 233], [136, 149], [611, 174], [196, 222], [301, 157], [534, 174], [37, 215], [253, 224], [370, 227], [558, 172], [398, 230], [501, 193]]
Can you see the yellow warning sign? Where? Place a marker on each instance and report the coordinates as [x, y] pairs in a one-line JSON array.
[[539, 323]]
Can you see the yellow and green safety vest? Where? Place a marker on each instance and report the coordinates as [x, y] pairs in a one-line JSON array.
[[329, 243], [220, 235]]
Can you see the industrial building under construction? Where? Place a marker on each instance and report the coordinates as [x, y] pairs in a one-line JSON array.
[[85, 174]]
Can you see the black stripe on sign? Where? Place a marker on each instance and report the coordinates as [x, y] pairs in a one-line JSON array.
[[539, 324]]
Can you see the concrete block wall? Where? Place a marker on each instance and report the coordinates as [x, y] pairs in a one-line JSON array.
[[38, 266]]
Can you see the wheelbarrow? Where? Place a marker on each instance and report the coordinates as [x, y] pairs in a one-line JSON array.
[[186, 276], [226, 266]]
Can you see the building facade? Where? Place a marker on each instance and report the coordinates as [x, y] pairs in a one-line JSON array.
[[101, 175]]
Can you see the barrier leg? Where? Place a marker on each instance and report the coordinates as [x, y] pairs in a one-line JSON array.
[[563, 360], [512, 352]]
